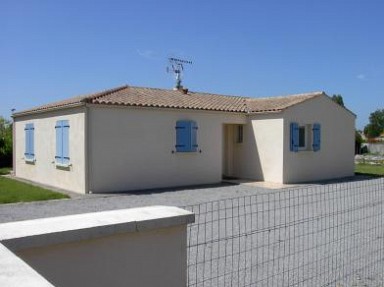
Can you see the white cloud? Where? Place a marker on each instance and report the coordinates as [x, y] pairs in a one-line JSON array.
[[148, 54], [361, 77]]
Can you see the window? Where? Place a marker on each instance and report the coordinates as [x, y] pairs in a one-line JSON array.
[[62, 143], [302, 141], [186, 136], [29, 142], [300, 137], [239, 134]]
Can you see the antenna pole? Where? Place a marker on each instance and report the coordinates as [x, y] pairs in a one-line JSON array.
[[177, 69]]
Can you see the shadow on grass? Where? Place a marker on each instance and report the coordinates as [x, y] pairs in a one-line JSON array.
[[368, 175], [5, 170]]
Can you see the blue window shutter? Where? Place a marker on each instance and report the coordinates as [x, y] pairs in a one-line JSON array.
[[294, 137], [186, 136], [316, 137], [29, 141], [26, 153], [65, 144], [62, 142], [182, 136], [32, 141], [194, 144], [59, 142]]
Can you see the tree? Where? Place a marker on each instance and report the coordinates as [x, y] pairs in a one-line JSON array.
[[5, 142], [358, 141], [376, 124], [338, 99]]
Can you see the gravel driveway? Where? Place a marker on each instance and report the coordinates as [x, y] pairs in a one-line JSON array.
[[328, 234], [97, 202]]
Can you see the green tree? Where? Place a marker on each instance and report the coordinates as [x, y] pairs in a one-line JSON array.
[[5, 142], [358, 141], [338, 99], [376, 124]]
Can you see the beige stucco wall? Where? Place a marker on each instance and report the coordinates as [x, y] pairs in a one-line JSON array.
[[261, 153], [144, 246], [44, 170], [132, 148], [131, 259], [336, 156]]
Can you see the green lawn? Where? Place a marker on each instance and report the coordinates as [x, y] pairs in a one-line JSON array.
[[368, 169], [14, 191]]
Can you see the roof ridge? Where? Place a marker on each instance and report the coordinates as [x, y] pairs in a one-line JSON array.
[[313, 94], [91, 97], [221, 95], [189, 91]]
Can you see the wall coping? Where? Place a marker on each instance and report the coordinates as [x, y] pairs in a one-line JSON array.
[[55, 230], [20, 235]]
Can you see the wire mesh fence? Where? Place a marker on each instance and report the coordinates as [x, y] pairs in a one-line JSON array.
[[329, 235]]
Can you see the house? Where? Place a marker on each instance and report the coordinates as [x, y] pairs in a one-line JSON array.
[[132, 138]]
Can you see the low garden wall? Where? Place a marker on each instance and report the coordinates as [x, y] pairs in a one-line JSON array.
[[130, 247]]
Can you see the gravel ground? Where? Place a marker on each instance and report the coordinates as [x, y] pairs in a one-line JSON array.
[[328, 234], [98, 202], [324, 235]]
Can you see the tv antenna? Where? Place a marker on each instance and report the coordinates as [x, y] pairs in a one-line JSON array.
[[176, 67]]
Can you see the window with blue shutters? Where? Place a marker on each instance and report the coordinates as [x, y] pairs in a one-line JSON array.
[[316, 131], [300, 137], [29, 153], [62, 142], [186, 136]]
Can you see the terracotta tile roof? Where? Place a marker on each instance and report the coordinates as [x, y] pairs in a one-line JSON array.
[[277, 104], [162, 98]]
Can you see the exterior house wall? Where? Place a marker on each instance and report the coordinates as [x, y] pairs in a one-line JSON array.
[[44, 169], [134, 148], [335, 158], [261, 154]]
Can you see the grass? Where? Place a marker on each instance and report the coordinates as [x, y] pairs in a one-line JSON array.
[[368, 169], [14, 191]]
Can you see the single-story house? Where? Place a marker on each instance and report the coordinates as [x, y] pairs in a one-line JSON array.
[[132, 138]]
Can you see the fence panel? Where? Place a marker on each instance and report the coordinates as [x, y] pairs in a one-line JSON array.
[[329, 235]]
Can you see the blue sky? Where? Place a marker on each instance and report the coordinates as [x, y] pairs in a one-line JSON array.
[[51, 50]]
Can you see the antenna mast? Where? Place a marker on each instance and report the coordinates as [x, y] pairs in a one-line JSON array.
[[177, 68]]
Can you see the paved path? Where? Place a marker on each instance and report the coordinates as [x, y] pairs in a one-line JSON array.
[[93, 202]]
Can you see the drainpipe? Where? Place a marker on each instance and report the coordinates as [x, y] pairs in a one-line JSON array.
[[13, 144], [86, 148]]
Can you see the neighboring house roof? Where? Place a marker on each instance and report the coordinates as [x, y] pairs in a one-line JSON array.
[[178, 99]]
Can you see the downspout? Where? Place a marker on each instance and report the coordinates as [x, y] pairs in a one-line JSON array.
[[13, 146], [86, 148]]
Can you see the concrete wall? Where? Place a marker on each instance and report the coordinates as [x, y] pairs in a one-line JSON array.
[[335, 159], [376, 148], [132, 247], [134, 148], [44, 169]]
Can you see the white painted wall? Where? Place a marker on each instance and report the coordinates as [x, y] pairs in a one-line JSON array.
[[262, 150], [44, 170], [131, 148], [336, 156]]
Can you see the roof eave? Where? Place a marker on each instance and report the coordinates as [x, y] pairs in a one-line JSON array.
[[49, 109]]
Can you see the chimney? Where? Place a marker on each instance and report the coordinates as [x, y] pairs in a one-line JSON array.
[[181, 89]]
